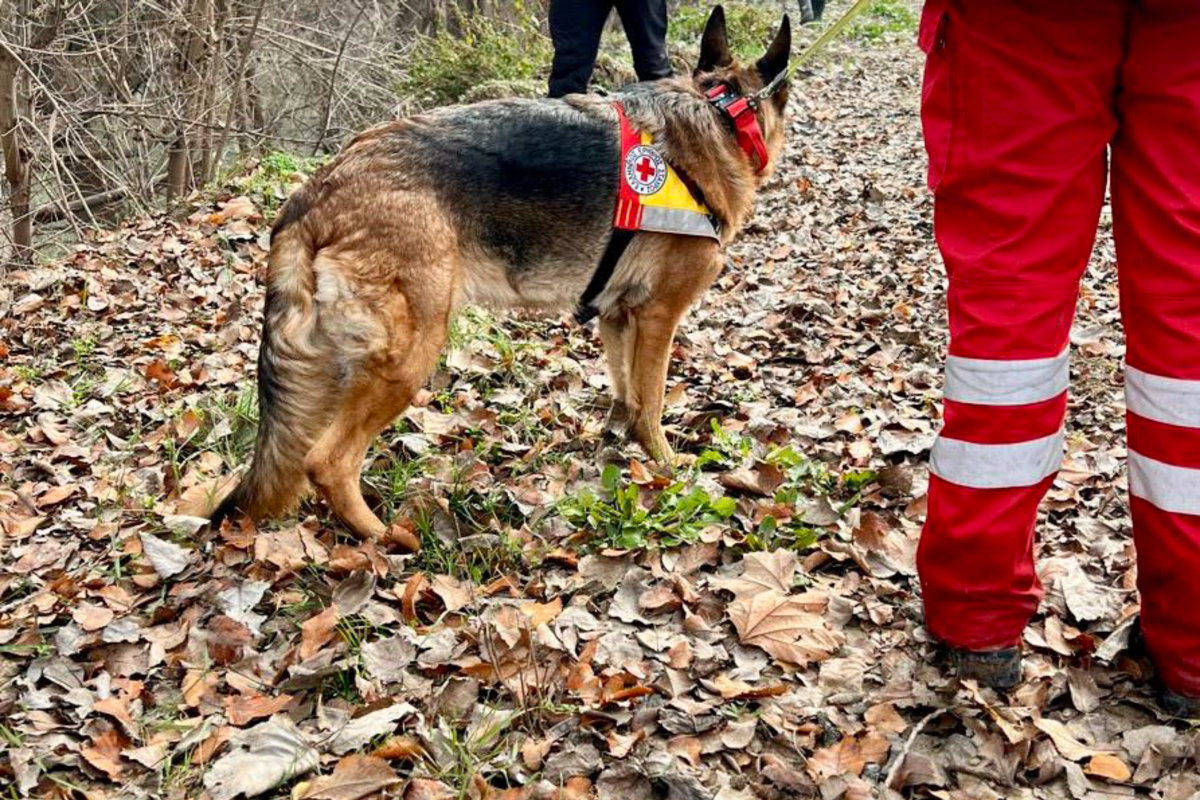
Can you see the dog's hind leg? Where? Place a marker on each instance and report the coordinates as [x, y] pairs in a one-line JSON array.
[[335, 464], [618, 334], [382, 389]]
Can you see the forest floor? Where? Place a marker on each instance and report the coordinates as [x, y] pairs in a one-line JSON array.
[[749, 628]]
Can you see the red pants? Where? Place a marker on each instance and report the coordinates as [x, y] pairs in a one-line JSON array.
[[1022, 102]]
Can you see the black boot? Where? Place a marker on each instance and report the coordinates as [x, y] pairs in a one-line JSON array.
[[998, 669], [1179, 705]]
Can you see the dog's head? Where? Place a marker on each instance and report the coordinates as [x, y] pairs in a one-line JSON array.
[[717, 66]]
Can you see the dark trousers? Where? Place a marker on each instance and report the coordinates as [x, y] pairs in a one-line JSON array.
[[575, 28]]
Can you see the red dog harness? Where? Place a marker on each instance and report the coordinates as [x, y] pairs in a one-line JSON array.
[[740, 111]]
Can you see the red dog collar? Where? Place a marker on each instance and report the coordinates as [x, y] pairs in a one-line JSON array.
[[745, 123]]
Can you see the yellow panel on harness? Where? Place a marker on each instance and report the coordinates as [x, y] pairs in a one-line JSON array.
[[651, 195]]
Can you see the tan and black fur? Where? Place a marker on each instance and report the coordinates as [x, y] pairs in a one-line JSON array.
[[506, 203]]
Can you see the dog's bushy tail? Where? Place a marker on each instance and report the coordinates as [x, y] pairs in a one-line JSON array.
[[297, 387]]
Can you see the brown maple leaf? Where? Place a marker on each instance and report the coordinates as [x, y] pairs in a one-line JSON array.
[[772, 571], [784, 627]]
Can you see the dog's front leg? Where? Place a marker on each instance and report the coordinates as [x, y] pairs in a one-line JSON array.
[[652, 330], [618, 334], [689, 267]]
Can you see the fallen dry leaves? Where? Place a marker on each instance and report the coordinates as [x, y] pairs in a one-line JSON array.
[[486, 649], [317, 632], [1109, 767], [353, 778], [104, 753], [849, 756], [783, 627]]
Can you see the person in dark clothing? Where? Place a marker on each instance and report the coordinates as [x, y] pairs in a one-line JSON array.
[[575, 28]]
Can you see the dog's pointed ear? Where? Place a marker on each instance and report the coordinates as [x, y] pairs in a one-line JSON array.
[[776, 59], [714, 44]]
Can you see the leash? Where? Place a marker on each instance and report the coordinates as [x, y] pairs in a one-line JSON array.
[[824, 39], [830, 33]]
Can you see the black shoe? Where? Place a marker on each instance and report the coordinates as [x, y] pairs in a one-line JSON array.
[[1179, 705], [999, 669]]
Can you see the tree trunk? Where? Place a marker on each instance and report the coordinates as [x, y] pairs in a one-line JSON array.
[[17, 169], [241, 78], [196, 28], [205, 166], [253, 117], [178, 167]]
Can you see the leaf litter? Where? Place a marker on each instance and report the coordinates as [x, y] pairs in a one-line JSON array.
[[747, 628]]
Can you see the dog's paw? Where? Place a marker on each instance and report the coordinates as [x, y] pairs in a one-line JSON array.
[[400, 538], [665, 460], [619, 422]]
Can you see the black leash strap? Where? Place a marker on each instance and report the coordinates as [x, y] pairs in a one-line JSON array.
[[613, 251]]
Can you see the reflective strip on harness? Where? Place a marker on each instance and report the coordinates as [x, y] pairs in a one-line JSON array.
[[676, 220]]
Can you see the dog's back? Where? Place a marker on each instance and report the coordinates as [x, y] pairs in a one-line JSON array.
[[531, 183], [527, 187]]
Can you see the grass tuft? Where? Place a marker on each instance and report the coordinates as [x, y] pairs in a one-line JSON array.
[[882, 18], [487, 749], [269, 181]]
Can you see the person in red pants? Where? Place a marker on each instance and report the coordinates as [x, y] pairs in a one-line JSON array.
[[1024, 105]]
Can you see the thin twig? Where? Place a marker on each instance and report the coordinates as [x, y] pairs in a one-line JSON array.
[[195, 123], [912, 737], [239, 77], [333, 80]]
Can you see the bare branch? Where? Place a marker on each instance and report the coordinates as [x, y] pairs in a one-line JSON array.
[[333, 80]]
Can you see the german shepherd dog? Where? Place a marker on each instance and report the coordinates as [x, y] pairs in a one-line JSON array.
[[502, 203]]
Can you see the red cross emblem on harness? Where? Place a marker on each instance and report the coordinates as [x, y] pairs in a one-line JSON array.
[[645, 170]]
